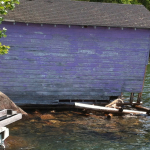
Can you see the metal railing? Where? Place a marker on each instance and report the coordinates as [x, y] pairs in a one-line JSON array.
[[7, 116]]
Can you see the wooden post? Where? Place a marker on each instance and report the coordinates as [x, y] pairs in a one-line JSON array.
[[131, 98], [139, 97], [140, 94], [120, 95]]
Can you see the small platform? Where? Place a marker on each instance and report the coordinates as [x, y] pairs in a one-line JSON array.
[[7, 116]]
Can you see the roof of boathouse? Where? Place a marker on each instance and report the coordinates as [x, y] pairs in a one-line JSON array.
[[80, 13]]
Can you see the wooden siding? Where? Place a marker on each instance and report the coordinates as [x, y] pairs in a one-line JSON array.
[[47, 63]]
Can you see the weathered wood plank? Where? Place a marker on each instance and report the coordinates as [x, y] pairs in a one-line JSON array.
[[142, 108], [76, 67]]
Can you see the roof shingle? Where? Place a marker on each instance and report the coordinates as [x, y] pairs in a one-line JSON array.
[[80, 13]]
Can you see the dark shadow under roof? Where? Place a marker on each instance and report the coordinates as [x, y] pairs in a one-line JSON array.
[[80, 13]]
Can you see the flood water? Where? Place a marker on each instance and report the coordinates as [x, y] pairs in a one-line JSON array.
[[73, 130]]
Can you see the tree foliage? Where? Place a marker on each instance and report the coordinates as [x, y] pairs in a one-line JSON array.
[[5, 5], [146, 3]]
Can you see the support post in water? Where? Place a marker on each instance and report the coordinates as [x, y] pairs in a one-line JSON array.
[[139, 97], [131, 98], [121, 95], [140, 94]]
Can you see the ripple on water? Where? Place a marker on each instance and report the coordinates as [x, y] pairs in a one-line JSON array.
[[71, 131]]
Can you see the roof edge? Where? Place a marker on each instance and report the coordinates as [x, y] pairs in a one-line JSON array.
[[13, 21]]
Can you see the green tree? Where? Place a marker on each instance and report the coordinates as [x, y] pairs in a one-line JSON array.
[[146, 3], [5, 5]]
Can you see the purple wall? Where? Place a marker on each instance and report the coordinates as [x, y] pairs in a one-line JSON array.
[[47, 63]]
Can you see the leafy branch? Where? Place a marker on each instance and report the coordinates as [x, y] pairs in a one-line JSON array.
[[5, 5]]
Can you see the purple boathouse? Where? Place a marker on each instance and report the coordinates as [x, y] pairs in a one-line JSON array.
[[70, 50]]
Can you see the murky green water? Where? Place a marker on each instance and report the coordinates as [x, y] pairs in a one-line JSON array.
[[70, 130]]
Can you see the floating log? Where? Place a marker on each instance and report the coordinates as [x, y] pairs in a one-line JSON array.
[[6, 103], [107, 109], [142, 108]]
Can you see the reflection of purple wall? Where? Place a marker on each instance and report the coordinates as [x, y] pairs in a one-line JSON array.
[[50, 63]]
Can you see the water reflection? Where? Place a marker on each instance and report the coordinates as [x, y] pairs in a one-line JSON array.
[[71, 130]]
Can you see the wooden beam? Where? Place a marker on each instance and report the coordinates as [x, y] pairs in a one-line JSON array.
[[121, 95], [142, 108], [140, 94], [139, 97], [131, 98], [107, 109]]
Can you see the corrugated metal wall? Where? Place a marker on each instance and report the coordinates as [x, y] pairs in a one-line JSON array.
[[48, 63]]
